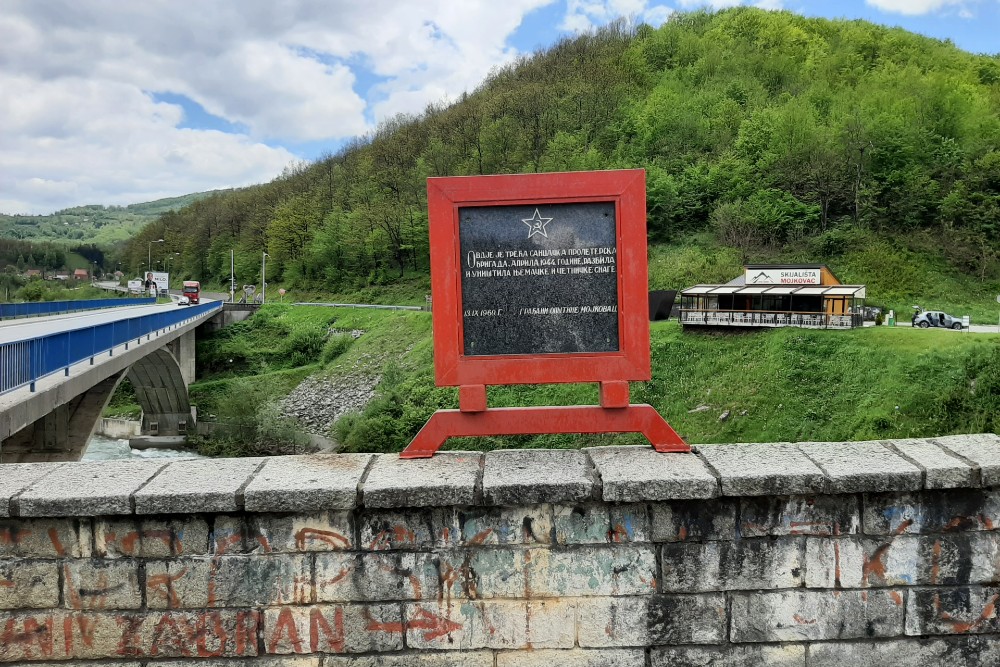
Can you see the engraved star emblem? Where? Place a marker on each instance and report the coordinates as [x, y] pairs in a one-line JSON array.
[[536, 224]]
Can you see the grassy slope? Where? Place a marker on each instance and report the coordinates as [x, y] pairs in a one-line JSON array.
[[792, 384]]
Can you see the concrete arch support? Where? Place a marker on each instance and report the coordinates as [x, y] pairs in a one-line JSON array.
[[62, 434], [161, 389]]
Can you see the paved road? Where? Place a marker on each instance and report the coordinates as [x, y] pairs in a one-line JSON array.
[[34, 327]]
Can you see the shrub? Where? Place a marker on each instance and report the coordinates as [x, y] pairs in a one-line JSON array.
[[335, 346]]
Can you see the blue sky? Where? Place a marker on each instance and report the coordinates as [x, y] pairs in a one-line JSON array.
[[117, 103]]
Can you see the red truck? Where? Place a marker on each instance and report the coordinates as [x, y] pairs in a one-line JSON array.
[[192, 290]]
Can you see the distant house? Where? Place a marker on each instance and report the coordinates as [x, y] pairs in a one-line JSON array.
[[81, 274], [33, 273], [62, 276], [806, 295]]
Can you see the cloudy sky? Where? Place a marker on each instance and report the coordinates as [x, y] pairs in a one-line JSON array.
[[119, 102]]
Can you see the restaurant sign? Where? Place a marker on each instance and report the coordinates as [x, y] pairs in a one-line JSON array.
[[791, 276]]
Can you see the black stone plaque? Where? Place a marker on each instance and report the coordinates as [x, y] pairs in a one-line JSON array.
[[539, 279]]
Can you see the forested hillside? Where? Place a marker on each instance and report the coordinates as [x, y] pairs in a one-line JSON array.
[[104, 225], [764, 130]]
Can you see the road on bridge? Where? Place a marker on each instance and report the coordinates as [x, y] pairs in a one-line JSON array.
[[36, 327]]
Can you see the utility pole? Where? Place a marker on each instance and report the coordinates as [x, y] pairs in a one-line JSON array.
[[263, 277], [232, 275]]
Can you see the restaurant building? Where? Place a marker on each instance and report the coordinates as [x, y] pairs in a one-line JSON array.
[[806, 295]]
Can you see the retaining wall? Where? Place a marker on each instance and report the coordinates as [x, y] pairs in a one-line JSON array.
[[819, 554]]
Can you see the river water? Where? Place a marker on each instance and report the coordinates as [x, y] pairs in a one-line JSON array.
[[106, 449]]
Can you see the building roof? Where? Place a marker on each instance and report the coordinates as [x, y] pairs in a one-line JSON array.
[[854, 291]]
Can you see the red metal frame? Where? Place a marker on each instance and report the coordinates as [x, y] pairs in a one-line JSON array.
[[445, 198]]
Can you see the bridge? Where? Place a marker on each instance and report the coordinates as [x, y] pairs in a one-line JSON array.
[[58, 372]]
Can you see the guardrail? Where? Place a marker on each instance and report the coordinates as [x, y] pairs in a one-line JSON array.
[[37, 308], [770, 319], [23, 362]]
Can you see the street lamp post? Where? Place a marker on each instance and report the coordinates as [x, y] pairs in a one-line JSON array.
[[149, 253], [263, 277]]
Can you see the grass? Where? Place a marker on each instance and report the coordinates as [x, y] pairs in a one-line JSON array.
[[774, 386]]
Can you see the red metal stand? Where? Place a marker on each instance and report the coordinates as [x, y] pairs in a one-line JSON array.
[[446, 198], [471, 421]]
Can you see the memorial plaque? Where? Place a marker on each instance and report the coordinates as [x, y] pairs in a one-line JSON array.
[[539, 279]]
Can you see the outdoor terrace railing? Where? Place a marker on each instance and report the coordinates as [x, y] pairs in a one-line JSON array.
[[23, 362], [742, 318], [37, 308]]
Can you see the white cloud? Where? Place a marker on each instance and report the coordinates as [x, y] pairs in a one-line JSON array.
[[918, 7], [81, 124], [714, 4], [584, 15]]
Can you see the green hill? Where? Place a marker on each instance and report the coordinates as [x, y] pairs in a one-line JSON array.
[[96, 224], [764, 134]]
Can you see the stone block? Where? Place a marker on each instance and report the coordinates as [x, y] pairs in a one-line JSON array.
[[101, 584], [951, 611], [440, 659], [465, 624], [612, 622], [19, 476], [323, 531], [635, 474], [904, 560], [150, 538], [655, 619], [699, 521], [266, 661], [800, 615], [449, 478], [726, 566], [230, 534], [982, 450], [313, 483], [345, 577], [966, 510], [505, 525], [788, 655], [29, 584], [573, 658], [229, 581], [97, 635], [40, 538], [489, 573], [197, 485], [597, 523], [525, 477], [382, 530], [99, 488], [769, 469], [687, 619], [799, 515], [863, 467], [942, 469], [592, 571], [333, 629], [904, 652]]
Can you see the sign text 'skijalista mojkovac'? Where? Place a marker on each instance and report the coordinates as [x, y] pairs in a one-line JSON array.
[[538, 279]]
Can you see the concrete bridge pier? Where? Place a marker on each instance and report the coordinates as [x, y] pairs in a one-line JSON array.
[[183, 350], [62, 434]]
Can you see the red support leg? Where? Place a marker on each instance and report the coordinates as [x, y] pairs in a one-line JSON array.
[[445, 424]]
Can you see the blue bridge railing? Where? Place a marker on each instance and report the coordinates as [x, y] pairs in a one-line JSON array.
[[23, 362], [35, 308]]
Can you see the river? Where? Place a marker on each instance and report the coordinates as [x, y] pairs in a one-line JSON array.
[[106, 449]]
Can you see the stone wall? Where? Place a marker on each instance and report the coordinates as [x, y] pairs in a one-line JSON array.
[[819, 554]]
